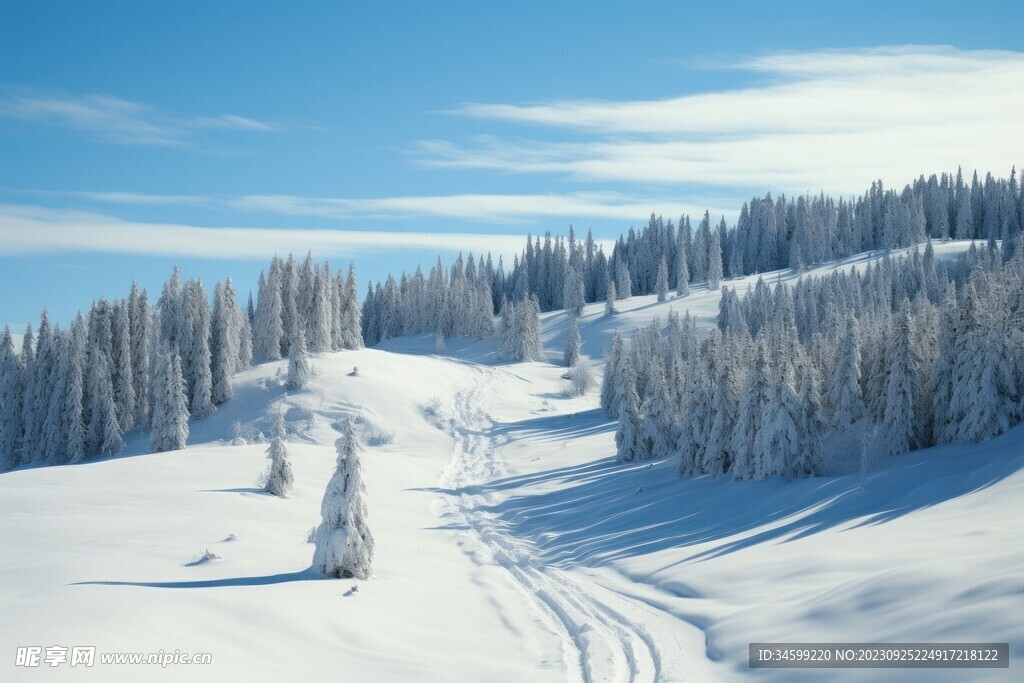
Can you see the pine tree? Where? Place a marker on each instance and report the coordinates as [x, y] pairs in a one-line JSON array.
[[572, 344], [623, 281], [280, 478], [757, 396], [344, 544], [609, 301], [224, 355], [10, 402], [74, 426], [902, 388], [662, 284], [573, 295], [170, 407], [627, 436], [298, 363], [714, 262], [844, 392], [682, 272], [104, 434]]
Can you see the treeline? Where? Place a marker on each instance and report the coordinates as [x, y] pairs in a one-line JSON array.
[[906, 354], [73, 392]]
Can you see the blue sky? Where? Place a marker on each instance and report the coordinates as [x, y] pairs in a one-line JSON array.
[[126, 126]]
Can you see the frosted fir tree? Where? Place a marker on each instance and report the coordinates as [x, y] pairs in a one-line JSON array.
[[844, 392], [572, 344], [612, 373], [104, 430], [628, 434], [609, 301], [280, 478], [661, 286], [439, 346], [267, 327], [74, 425], [714, 263], [581, 377], [682, 271], [344, 544], [902, 389], [754, 406], [623, 281], [170, 405], [10, 402], [298, 363], [223, 351], [573, 294]]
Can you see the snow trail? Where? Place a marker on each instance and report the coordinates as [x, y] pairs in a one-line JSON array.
[[604, 635]]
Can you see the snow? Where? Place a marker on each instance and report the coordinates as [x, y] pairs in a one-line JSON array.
[[509, 544]]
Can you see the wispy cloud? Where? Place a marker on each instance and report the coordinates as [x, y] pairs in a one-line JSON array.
[[484, 208], [117, 120], [35, 230], [829, 119]]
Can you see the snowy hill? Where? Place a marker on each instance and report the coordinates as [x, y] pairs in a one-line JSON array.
[[510, 545]]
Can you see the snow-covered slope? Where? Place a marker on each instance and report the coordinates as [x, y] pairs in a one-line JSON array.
[[510, 546]]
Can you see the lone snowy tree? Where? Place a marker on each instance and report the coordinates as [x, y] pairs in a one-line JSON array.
[[344, 544], [298, 363], [280, 479]]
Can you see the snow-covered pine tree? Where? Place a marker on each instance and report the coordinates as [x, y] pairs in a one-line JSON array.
[[298, 363], [10, 402], [623, 281], [714, 262], [74, 425], [844, 392], [280, 478], [609, 301], [682, 271], [573, 294], [223, 351], [754, 406], [170, 406], [197, 370], [104, 434], [628, 434], [351, 321], [268, 327], [344, 544], [140, 315], [902, 388], [572, 344], [661, 286], [122, 367]]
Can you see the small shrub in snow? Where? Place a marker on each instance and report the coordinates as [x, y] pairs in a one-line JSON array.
[[581, 377]]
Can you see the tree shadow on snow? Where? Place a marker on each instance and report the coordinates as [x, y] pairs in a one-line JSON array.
[[308, 574], [595, 512]]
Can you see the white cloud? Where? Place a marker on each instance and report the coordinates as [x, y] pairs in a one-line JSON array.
[[36, 230], [494, 208], [118, 120], [489, 208], [830, 119]]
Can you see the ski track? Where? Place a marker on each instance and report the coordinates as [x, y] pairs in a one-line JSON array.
[[604, 635]]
